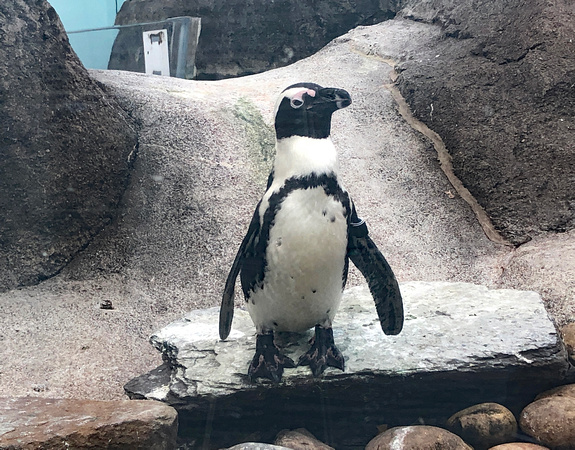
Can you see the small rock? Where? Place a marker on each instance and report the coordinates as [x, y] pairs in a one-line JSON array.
[[53, 424], [106, 304], [300, 439], [567, 390], [519, 446], [551, 421], [484, 425], [417, 437], [568, 334]]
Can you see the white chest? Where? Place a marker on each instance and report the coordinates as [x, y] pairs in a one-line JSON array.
[[305, 262]]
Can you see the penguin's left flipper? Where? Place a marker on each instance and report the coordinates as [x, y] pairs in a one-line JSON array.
[[246, 247], [380, 278], [323, 352]]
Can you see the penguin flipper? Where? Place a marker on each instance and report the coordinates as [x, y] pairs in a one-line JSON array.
[[227, 307], [380, 278]]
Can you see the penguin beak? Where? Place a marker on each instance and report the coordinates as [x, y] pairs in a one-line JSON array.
[[331, 98]]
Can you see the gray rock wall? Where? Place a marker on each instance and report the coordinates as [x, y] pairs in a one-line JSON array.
[[498, 89], [65, 152]]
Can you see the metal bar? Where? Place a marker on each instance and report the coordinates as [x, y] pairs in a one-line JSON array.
[[117, 27]]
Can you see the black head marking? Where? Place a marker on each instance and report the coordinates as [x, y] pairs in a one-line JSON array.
[[305, 109]]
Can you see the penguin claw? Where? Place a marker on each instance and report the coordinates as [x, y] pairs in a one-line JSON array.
[[268, 362], [323, 353]]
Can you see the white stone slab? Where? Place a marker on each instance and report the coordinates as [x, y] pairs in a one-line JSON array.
[[448, 327]]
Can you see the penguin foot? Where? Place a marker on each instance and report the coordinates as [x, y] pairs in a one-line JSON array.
[[323, 352], [268, 362]]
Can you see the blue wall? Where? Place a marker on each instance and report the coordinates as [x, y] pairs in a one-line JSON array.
[[94, 47]]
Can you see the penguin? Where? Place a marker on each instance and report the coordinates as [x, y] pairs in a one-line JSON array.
[[293, 262]]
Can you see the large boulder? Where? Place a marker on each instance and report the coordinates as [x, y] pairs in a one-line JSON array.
[[66, 147], [497, 86], [240, 37]]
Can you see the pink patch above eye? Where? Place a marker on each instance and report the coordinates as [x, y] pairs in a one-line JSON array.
[[299, 94]]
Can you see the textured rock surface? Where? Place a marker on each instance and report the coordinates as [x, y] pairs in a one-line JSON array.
[[417, 437], [485, 425], [85, 424], [546, 265], [300, 439], [496, 86], [456, 336], [240, 38], [449, 327], [66, 147], [493, 82], [551, 421]]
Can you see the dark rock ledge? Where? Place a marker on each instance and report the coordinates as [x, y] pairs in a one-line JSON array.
[[462, 344]]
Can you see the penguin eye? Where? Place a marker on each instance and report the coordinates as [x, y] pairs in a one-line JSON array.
[[296, 103]]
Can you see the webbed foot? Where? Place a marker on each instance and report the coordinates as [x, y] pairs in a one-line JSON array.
[[268, 362], [323, 352]]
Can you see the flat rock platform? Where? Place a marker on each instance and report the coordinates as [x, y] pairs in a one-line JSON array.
[[461, 344]]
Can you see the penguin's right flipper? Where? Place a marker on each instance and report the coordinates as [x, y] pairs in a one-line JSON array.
[[380, 278], [227, 308]]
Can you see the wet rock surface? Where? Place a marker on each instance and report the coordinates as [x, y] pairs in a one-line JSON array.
[[456, 337], [85, 424], [66, 148]]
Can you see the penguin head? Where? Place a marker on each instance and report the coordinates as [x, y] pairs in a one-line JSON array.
[[305, 109]]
